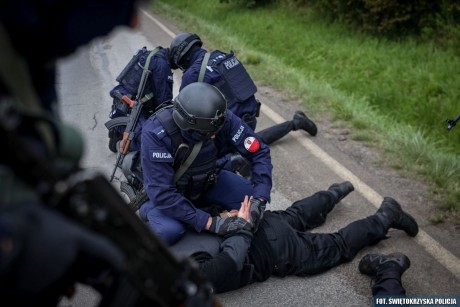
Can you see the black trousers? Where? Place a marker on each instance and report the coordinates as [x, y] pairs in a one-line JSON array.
[[294, 251], [388, 282], [276, 132]]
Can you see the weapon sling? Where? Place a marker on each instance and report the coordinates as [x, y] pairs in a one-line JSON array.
[[140, 89], [184, 166], [203, 66]]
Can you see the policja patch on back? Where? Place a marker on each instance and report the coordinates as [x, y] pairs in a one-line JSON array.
[[236, 84]]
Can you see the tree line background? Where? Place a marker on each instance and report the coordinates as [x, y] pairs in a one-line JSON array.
[[428, 19]]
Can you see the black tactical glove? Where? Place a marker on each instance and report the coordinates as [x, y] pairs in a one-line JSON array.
[[257, 212], [228, 225]]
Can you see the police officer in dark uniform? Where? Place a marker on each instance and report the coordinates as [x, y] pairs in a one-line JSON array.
[[228, 74], [157, 92], [42, 253], [180, 146], [282, 246]]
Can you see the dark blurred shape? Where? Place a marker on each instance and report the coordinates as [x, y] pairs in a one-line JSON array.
[[452, 122], [60, 224]]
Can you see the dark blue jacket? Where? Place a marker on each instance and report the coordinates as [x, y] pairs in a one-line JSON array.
[[160, 79], [249, 106], [157, 157]]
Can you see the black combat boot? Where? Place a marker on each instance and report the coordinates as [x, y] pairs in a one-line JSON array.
[[393, 216], [340, 190], [371, 264], [301, 121]]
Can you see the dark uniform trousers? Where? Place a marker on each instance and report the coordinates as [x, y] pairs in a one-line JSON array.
[[291, 250], [388, 282]]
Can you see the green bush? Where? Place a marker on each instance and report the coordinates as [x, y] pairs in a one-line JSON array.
[[389, 18], [385, 17], [393, 18], [253, 3]]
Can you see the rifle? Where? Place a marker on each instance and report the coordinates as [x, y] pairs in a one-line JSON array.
[[128, 134], [452, 122], [154, 276]]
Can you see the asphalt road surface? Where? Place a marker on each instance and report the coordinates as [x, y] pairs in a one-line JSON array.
[[302, 166]]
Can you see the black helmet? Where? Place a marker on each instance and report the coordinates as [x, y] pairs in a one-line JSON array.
[[200, 107], [180, 45]]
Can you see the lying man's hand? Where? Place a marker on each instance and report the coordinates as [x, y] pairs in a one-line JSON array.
[[244, 211]]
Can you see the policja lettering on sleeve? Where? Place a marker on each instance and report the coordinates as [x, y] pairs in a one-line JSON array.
[[238, 134], [161, 155]]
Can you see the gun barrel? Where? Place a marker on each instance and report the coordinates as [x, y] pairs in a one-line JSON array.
[[119, 160]]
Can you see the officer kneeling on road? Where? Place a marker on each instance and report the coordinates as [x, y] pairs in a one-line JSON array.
[[180, 146]]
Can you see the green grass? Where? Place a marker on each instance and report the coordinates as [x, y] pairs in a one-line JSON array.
[[396, 95]]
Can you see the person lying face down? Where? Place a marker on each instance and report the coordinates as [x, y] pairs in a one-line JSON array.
[[282, 245]]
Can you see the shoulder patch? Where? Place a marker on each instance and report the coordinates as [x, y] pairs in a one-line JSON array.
[[160, 155], [251, 144], [160, 132]]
